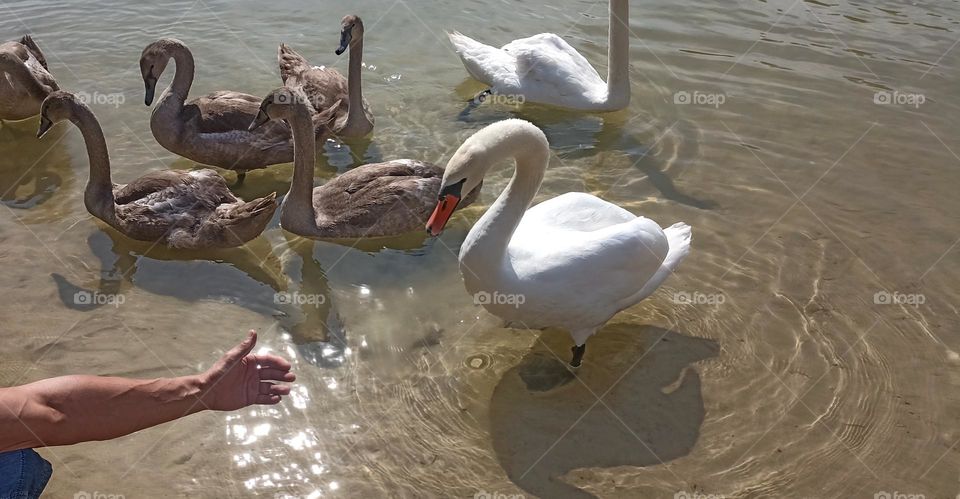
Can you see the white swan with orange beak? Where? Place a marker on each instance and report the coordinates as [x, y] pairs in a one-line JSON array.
[[576, 260]]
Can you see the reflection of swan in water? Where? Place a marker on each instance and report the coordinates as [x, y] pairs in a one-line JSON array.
[[285, 269], [316, 327], [382, 286], [225, 275], [222, 275], [575, 136], [536, 409], [31, 171], [188, 275], [380, 302]]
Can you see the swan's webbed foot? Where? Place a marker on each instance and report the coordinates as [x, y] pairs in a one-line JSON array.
[[577, 355], [474, 103], [241, 176]]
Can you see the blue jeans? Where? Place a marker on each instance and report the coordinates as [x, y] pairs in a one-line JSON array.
[[23, 474]]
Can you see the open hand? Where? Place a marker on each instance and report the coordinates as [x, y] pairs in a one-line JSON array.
[[240, 379]]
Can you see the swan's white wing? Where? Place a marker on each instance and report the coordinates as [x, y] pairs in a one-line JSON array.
[[549, 69], [573, 211], [579, 243], [487, 64], [543, 68], [581, 278]]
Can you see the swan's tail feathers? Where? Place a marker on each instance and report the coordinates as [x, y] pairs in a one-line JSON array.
[[290, 62], [460, 41], [476, 57], [27, 41], [678, 238], [264, 206], [245, 222]]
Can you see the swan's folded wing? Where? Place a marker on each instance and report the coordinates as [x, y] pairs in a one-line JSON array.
[[228, 115], [581, 242], [146, 185], [490, 65], [547, 63], [384, 194], [573, 211], [221, 112], [226, 102], [611, 264], [43, 76], [378, 176], [271, 135], [28, 52], [324, 87], [197, 188], [291, 63]]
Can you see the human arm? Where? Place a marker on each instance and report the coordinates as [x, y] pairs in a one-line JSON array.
[[72, 409]]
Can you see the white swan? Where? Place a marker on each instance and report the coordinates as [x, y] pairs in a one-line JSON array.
[[572, 262], [547, 70]]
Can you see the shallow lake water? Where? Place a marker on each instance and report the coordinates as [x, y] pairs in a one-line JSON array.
[[807, 347]]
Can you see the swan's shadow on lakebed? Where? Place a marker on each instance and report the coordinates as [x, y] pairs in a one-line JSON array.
[[651, 413], [32, 171]]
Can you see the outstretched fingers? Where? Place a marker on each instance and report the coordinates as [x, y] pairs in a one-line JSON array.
[[268, 388], [273, 374], [270, 361], [268, 399]]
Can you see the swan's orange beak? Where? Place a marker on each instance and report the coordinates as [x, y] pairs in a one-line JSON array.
[[441, 214]]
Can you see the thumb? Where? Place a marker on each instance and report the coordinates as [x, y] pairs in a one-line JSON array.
[[243, 349]]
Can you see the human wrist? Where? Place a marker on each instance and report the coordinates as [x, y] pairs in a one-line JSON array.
[[195, 389]]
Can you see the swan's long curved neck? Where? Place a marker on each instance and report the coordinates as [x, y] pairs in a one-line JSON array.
[[98, 195], [356, 115], [183, 77], [298, 212], [485, 247], [618, 55]]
